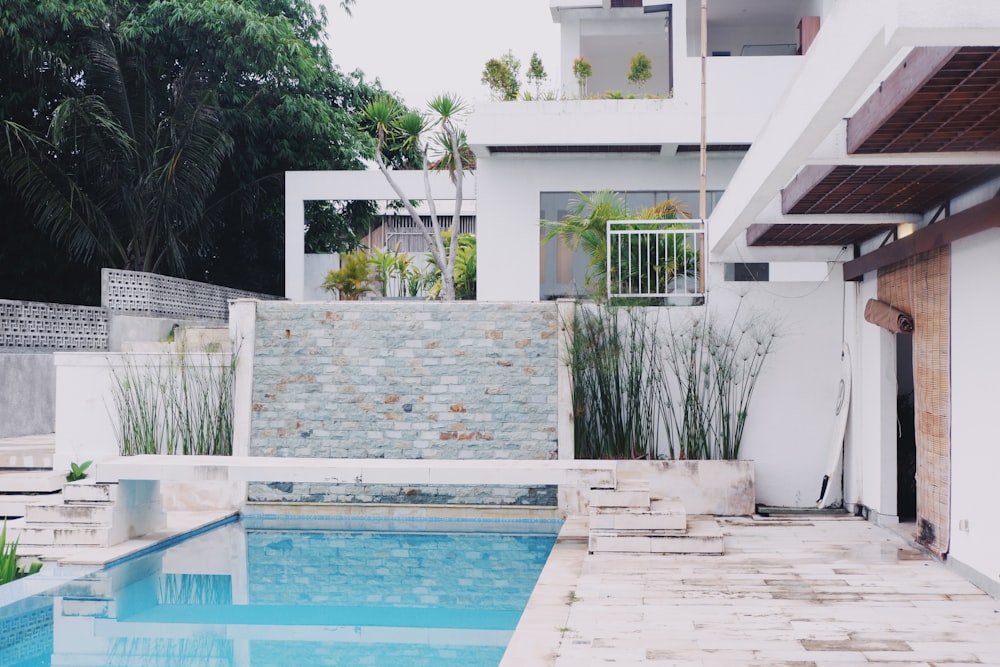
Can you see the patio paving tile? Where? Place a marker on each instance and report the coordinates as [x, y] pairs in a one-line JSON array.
[[807, 592]]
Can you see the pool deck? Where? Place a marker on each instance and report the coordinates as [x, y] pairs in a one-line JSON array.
[[795, 591], [808, 592]]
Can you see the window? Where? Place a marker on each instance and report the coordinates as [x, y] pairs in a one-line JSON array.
[[564, 272]]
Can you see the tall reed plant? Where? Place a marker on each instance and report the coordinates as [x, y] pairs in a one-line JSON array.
[[182, 404], [712, 371], [617, 383], [9, 569]]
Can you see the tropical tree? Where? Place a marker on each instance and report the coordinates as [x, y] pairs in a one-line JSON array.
[[439, 142], [582, 70], [502, 82], [536, 73], [585, 227], [640, 69], [155, 135]]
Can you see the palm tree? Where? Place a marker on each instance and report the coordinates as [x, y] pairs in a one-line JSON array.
[[585, 227], [396, 127], [124, 173]]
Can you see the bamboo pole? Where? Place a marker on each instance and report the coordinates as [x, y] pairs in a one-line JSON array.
[[703, 148]]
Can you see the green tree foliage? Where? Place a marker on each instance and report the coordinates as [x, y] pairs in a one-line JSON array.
[[640, 69], [155, 135], [501, 80], [536, 74], [585, 226], [582, 70], [440, 143], [354, 277]]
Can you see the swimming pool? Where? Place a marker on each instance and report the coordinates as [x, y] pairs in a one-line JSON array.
[[268, 592]]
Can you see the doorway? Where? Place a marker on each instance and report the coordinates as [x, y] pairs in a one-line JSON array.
[[906, 436]]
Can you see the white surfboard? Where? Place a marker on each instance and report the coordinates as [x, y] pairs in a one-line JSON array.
[[835, 450]]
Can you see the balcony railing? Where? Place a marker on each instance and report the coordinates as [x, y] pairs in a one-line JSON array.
[[658, 258]]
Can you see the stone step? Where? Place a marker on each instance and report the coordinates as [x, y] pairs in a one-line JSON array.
[[663, 516], [703, 536], [637, 498], [31, 481], [77, 513], [85, 491], [14, 504], [28, 451], [64, 535]]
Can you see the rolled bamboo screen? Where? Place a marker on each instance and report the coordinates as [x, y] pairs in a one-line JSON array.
[[921, 286]]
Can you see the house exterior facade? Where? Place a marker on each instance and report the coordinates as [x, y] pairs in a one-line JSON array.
[[853, 151]]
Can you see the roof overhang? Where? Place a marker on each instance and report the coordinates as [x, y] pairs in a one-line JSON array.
[[922, 125]]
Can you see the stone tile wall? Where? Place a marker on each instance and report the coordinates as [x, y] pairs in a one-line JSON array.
[[405, 379]]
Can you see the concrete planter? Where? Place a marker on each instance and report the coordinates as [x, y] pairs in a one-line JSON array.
[[720, 488]]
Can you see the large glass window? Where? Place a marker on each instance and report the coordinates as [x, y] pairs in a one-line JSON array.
[[563, 271]]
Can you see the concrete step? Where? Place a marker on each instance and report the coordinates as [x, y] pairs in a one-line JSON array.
[[209, 339], [64, 535], [88, 514], [85, 491], [89, 607], [703, 536], [88, 588], [31, 481], [620, 497], [14, 504], [663, 516], [28, 451]]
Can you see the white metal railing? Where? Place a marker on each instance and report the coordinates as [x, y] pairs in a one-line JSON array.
[[655, 258]]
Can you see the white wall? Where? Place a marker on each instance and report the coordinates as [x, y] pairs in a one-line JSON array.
[[975, 373], [314, 275], [86, 418], [870, 443], [84, 427], [509, 189], [792, 410]]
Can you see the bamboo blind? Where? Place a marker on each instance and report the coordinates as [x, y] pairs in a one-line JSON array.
[[921, 286]]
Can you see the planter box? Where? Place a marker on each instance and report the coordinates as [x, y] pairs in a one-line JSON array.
[[719, 488]]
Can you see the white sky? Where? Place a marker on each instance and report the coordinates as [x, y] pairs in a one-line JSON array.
[[421, 48]]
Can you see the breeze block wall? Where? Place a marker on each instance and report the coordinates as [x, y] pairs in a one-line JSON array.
[[405, 379]]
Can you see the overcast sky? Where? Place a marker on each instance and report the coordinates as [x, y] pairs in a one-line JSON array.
[[420, 48]]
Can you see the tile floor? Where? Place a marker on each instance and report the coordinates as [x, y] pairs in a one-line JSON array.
[[804, 592]]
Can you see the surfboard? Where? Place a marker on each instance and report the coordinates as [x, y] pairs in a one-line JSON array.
[[835, 449]]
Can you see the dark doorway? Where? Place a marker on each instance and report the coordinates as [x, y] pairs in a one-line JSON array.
[[906, 442]]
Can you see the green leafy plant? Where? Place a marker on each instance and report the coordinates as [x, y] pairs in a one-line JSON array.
[[181, 404], [77, 471], [354, 277], [713, 370], [582, 70], [465, 268], [392, 269], [630, 383], [617, 383], [640, 69], [9, 569], [585, 226], [502, 82], [396, 128], [536, 74]]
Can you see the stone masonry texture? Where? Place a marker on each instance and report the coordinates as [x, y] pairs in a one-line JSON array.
[[405, 379]]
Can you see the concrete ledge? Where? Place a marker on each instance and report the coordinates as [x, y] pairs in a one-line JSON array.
[[588, 473]]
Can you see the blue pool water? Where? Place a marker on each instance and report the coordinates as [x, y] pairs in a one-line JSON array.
[[268, 592]]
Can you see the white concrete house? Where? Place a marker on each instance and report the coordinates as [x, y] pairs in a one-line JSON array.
[[834, 130], [853, 153]]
